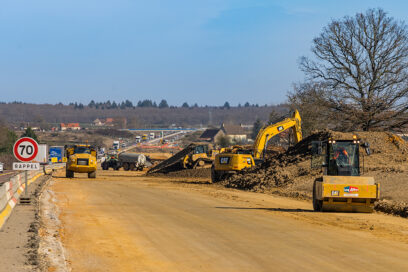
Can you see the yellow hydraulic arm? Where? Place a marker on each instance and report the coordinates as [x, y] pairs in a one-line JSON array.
[[266, 133]]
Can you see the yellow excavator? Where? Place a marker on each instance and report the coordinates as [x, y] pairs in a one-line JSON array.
[[237, 158], [341, 188]]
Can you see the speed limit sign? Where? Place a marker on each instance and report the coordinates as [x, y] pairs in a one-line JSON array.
[[25, 149]]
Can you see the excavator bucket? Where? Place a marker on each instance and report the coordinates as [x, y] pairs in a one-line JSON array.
[[345, 194]]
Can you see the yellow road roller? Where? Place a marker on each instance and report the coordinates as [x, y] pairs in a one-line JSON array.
[[342, 188]]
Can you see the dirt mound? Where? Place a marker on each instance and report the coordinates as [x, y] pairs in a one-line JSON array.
[[186, 173], [392, 207], [279, 170]]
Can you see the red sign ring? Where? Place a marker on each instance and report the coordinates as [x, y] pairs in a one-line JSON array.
[[25, 139]]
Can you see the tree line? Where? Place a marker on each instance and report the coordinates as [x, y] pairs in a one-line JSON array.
[[148, 103]]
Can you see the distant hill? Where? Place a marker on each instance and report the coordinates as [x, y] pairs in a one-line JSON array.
[[37, 114]]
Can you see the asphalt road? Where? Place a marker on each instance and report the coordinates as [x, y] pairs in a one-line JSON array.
[[122, 222], [5, 176]]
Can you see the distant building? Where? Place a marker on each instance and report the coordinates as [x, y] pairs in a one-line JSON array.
[[211, 135], [109, 122], [97, 122], [70, 126], [236, 133], [247, 127]]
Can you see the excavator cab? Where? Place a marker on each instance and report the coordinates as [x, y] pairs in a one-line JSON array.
[[200, 149], [342, 188]]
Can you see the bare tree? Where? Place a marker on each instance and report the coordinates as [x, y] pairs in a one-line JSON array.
[[309, 100], [362, 62]]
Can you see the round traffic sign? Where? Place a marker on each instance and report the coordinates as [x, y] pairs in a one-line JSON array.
[[25, 149]]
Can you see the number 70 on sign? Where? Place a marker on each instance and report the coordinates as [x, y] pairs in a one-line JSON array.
[[25, 149]]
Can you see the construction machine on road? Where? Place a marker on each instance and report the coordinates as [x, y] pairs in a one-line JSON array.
[[195, 155], [128, 160], [81, 158], [239, 158], [341, 188]]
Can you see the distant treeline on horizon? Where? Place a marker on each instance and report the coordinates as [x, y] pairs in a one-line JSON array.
[[147, 103], [142, 115]]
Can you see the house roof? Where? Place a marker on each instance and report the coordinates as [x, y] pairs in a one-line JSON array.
[[210, 133], [70, 125], [232, 129], [109, 120]]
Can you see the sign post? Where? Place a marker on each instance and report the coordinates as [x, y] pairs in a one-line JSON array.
[[25, 150]]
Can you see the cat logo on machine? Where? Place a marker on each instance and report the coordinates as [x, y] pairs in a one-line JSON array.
[[280, 128], [350, 189], [224, 160]]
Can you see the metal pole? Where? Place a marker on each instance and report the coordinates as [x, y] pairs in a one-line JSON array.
[[26, 173]]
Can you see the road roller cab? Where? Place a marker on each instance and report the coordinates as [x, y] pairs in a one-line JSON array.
[[342, 188]]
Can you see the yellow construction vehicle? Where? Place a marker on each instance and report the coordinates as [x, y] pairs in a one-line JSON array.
[[81, 158], [341, 188], [195, 155], [237, 158]]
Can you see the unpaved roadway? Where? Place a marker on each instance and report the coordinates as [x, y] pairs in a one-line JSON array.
[[124, 222]]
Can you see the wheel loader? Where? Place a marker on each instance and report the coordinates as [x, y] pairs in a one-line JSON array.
[[239, 158], [342, 188], [195, 155]]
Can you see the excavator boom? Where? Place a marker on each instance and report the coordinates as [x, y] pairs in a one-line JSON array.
[[266, 133]]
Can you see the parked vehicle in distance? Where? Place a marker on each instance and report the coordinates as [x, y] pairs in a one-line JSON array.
[[116, 145], [111, 161], [1, 167], [56, 154], [127, 160]]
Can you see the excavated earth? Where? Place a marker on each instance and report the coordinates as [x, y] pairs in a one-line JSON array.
[[290, 173], [186, 173]]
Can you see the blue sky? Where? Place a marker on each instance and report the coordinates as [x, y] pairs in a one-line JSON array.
[[207, 52]]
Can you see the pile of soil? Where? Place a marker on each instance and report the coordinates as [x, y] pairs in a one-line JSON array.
[[186, 173], [290, 173], [279, 170], [392, 207]]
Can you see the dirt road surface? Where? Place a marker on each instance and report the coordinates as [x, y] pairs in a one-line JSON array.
[[123, 222]]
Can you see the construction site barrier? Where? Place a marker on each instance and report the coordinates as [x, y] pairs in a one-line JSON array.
[[10, 191]]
